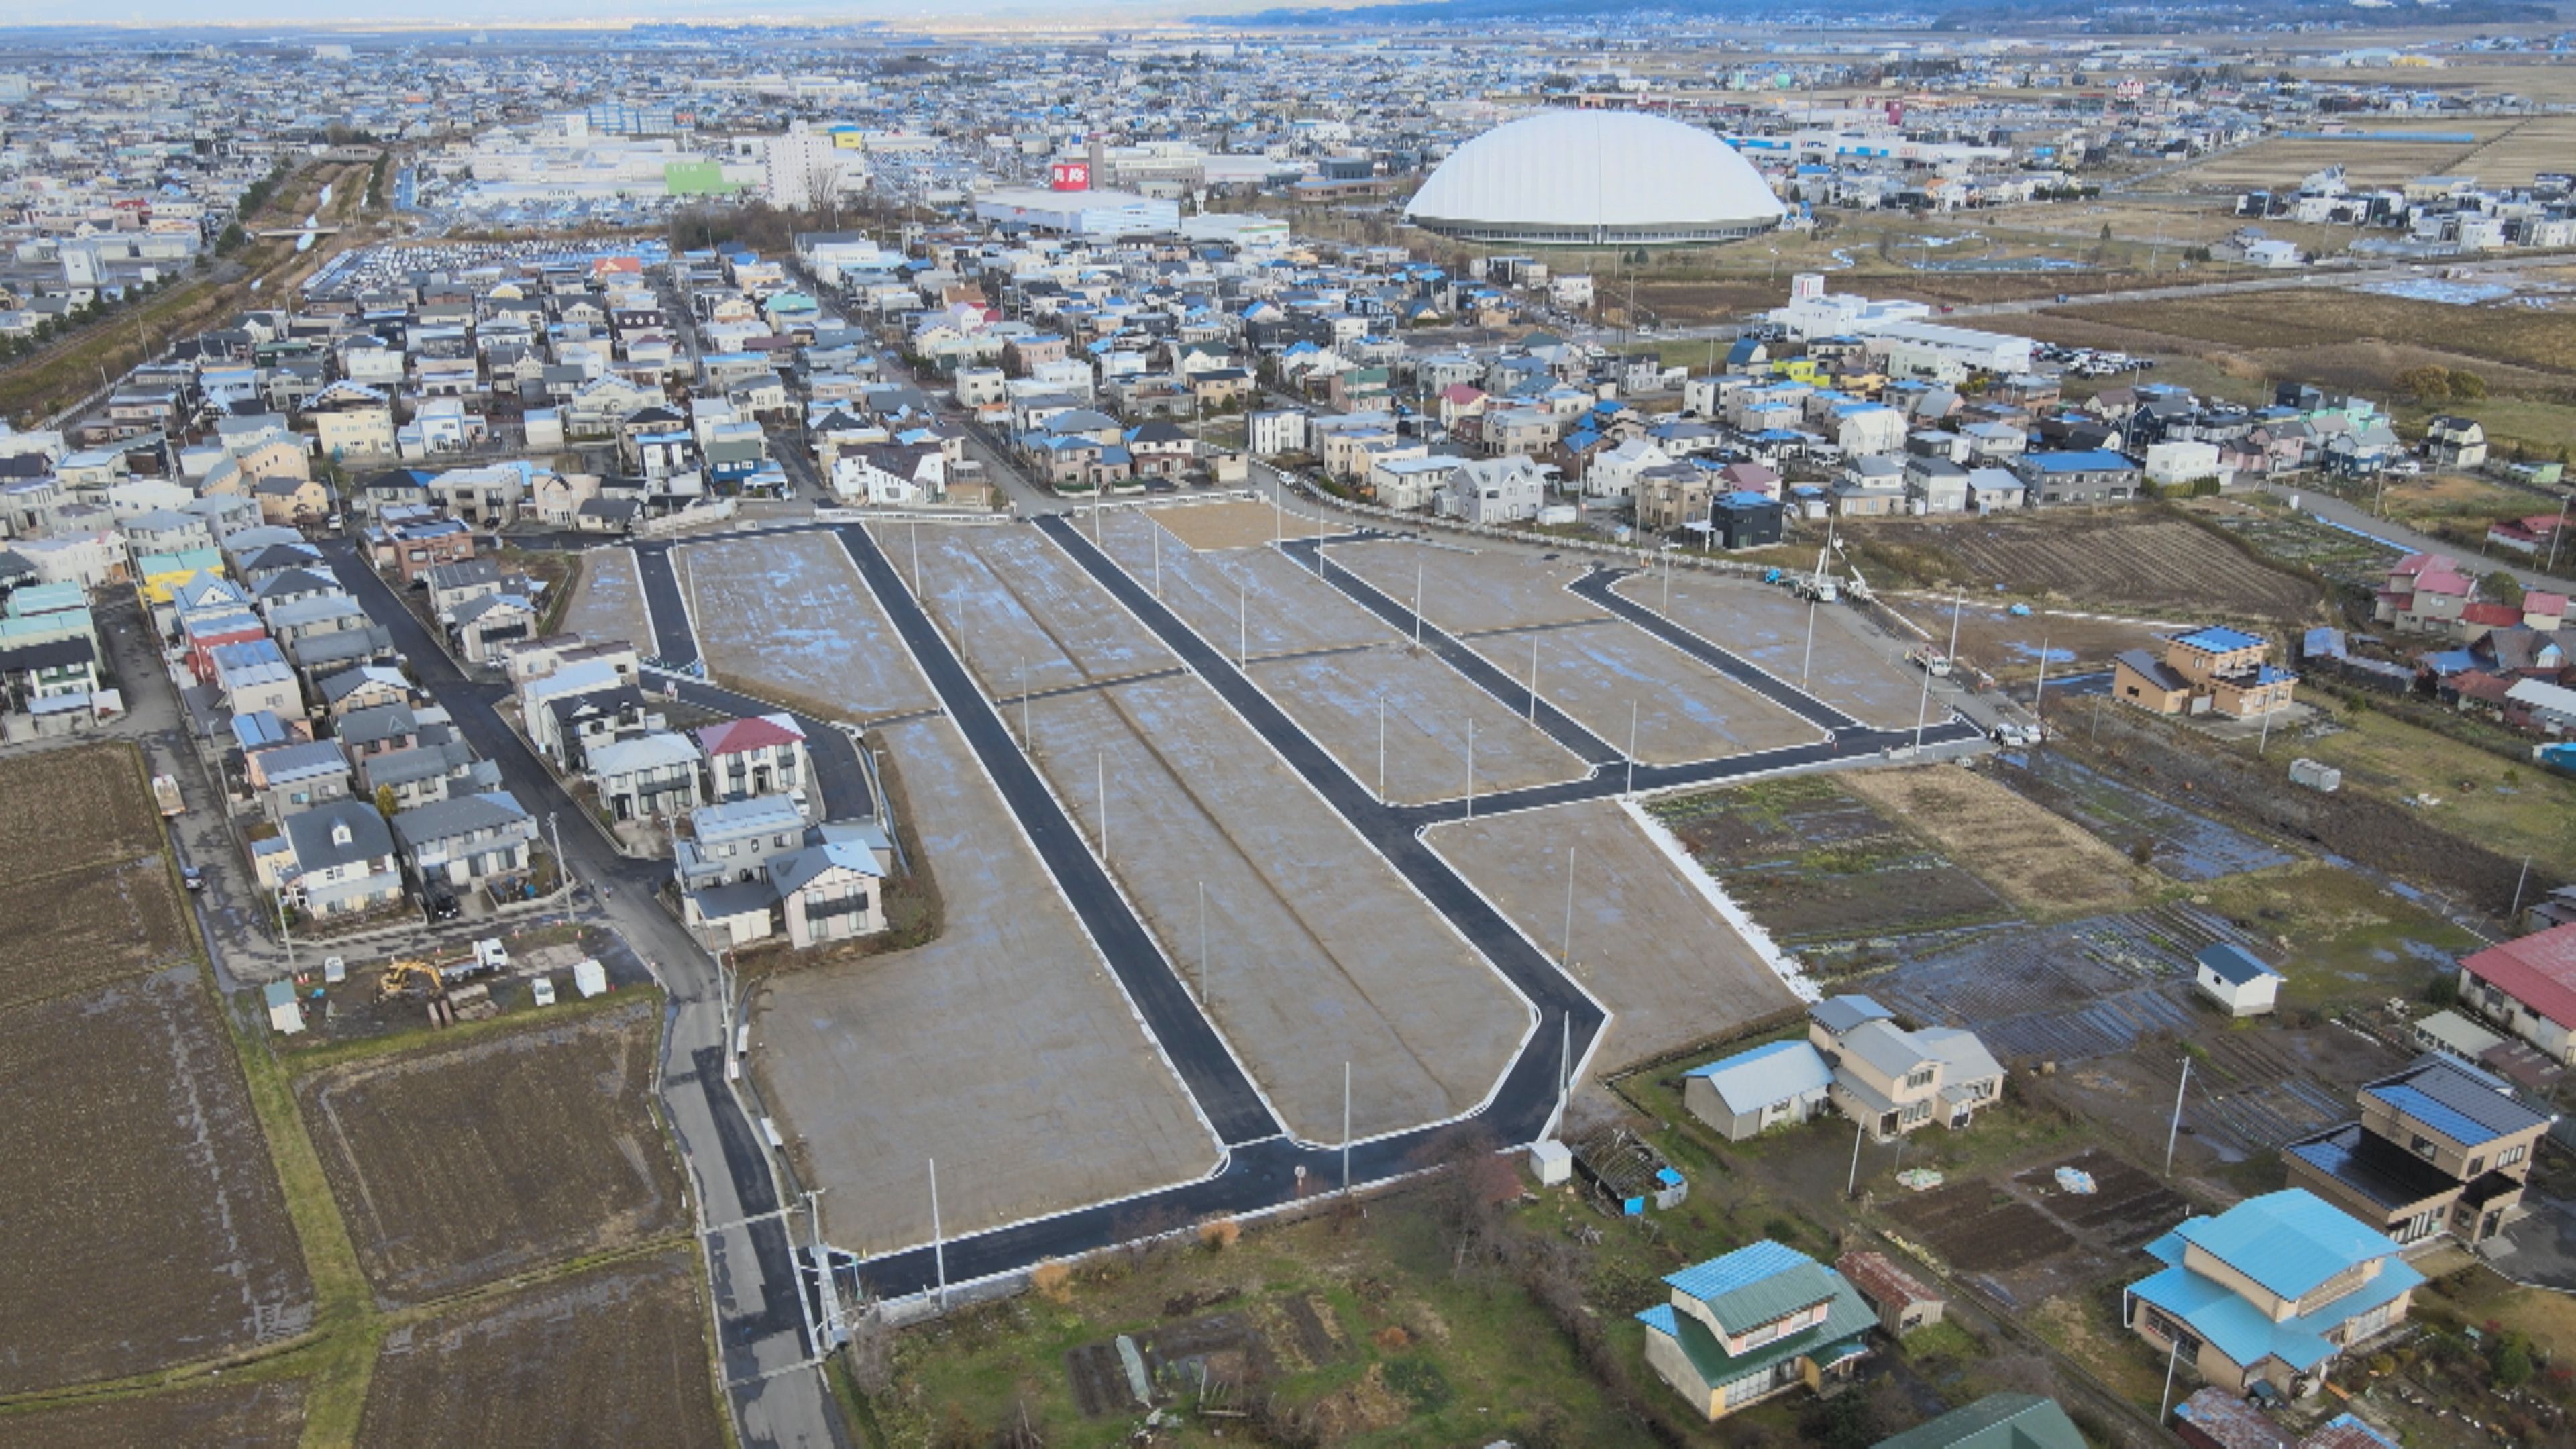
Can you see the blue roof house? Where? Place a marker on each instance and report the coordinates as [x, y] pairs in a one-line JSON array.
[[1754, 1091], [2271, 1291], [1757, 1322]]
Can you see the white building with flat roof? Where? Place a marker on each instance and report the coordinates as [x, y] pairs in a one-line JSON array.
[[1109, 214]]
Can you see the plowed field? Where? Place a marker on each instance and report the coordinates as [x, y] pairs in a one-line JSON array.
[[2144, 562]]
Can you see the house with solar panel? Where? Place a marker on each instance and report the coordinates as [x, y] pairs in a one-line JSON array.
[[2265, 1296], [2440, 1147], [2207, 671], [1758, 1322]]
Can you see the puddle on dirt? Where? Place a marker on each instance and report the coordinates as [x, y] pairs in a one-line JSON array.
[[2183, 846], [2034, 654]]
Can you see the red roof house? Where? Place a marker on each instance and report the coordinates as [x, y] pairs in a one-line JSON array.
[[2528, 986]]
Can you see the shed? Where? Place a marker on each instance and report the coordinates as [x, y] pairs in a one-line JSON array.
[[1751, 1092], [285, 1016], [589, 977], [1903, 1303], [2231, 976], [1551, 1162], [1628, 1171]]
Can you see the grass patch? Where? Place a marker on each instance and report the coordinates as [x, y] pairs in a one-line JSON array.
[[2513, 808], [2341, 937]]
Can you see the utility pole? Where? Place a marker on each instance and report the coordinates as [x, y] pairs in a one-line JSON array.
[[2174, 1132], [1632, 748], [2554, 536], [1381, 749], [288, 936], [1851, 1188], [2173, 1358], [1028, 745], [1203, 956], [1533, 689], [2265, 741], [1565, 952], [938, 1245], [1417, 600], [1471, 767], [563, 866], [1100, 782], [2519, 882], [2039, 692], [915, 530], [1242, 624], [1808, 659]]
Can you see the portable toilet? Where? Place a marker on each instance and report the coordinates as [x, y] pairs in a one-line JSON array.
[[589, 977]]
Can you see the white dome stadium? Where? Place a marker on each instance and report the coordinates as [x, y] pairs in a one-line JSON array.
[[1595, 178]]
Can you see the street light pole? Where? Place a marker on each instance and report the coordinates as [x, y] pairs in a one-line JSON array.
[[1809, 658], [1471, 767], [1381, 749], [1346, 1129], [2173, 1133], [1632, 747], [1417, 600], [938, 1245], [1533, 690], [1565, 952]]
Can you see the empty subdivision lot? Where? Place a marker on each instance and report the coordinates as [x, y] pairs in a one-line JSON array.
[[1020, 613], [608, 603], [1335, 698], [1685, 710], [442, 1192], [1258, 599], [1465, 590], [786, 617], [1646, 940], [1318, 952], [1853, 668], [1003, 1048], [1230, 525]]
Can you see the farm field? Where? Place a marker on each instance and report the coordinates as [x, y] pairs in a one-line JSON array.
[[1257, 599], [1645, 940], [2345, 558], [1211, 527], [443, 1192], [1465, 590], [2011, 648], [2510, 808], [102, 787], [1003, 1047], [2136, 561], [2285, 161], [1854, 668], [1335, 698], [232, 1415], [1812, 862], [2035, 1237], [1318, 953], [608, 603], [146, 1223], [2043, 863], [1685, 710], [2316, 317], [787, 618], [103, 898], [2512, 157], [615, 1355], [1007, 597]]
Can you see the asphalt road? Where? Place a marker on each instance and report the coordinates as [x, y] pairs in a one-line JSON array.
[[753, 1269], [675, 642], [2359, 520]]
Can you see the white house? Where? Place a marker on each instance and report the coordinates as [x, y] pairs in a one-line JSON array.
[[1613, 472], [1496, 490]]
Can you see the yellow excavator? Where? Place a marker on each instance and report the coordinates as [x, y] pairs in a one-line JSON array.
[[410, 978]]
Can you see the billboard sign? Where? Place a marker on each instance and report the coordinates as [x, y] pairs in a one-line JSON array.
[[1070, 176]]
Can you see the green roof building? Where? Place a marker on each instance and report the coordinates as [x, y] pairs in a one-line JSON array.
[[1757, 1322], [1997, 1421]]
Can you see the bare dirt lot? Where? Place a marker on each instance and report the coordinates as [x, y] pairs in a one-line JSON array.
[[2012, 648], [1209, 527], [787, 618], [1008, 600], [1854, 668], [1685, 710], [87, 873], [1321, 953], [2320, 317], [616, 1355], [146, 1224], [1256, 599], [2024, 1237], [2142, 562], [1811, 861], [455, 1167], [208, 1416], [1645, 940], [1335, 697], [1465, 590], [608, 603], [2040, 860], [1004, 1047]]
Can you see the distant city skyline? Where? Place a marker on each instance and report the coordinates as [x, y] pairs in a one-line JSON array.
[[363, 17]]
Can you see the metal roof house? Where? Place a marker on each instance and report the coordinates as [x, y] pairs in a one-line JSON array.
[[2271, 1291], [2440, 1147], [1751, 1092], [1754, 1323], [1997, 1421]]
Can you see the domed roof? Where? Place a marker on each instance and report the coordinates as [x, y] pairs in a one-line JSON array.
[[1622, 175]]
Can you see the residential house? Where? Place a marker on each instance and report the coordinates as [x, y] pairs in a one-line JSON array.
[[253, 675], [731, 843], [297, 776], [1894, 1081], [650, 776], [482, 625], [466, 842], [765, 755], [1753, 1324], [2441, 1147], [2213, 670], [339, 860], [2455, 442], [1496, 490], [49, 669], [1997, 1421], [2527, 986], [2271, 1291], [352, 423], [2082, 476], [2426, 593]]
